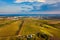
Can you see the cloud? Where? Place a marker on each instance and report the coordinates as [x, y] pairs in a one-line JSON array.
[[47, 7], [44, 12], [18, 1], [45, 1], [9, 9], [14, 8], [41, 0], [52, 1], [39, 7]]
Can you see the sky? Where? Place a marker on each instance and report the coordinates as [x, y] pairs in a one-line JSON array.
[[38, 7]]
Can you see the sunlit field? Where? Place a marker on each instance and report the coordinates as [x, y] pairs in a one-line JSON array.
[[29, 29]]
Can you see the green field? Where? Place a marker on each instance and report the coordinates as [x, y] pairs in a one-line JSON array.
[[22, 29]]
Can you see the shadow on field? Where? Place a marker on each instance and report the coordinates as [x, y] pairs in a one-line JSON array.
[[37, 36]]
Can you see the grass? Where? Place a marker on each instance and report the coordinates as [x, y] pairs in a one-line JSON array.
[[29, 27], [10, 29]]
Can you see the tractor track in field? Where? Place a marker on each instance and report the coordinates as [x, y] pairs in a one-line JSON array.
[[18, 31]]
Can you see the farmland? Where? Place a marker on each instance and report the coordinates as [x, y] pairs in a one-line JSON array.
[[29, 29]]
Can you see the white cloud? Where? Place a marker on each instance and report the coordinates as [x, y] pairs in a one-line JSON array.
[[18, 1], [9, 9], [14, 8], [52, 1], [41, 0], [44, 12], [45, 1]]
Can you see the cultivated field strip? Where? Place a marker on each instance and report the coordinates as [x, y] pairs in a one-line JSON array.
[[29, 29], [9, 30]]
